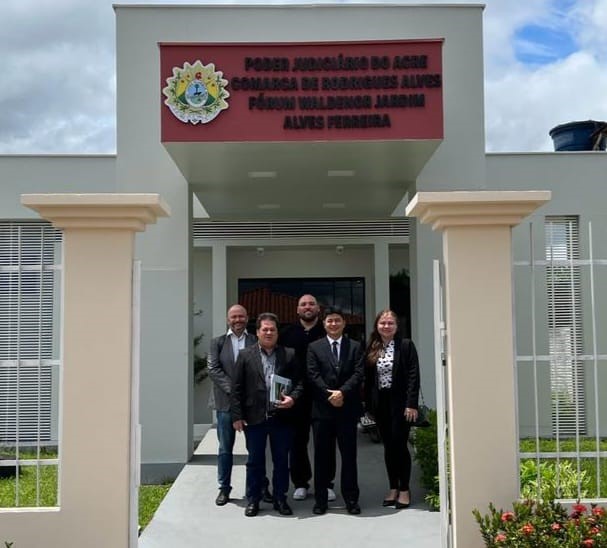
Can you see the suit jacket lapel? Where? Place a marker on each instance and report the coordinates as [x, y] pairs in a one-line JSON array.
[[344, 351], [258, 364], [227, 352], [396, 359]]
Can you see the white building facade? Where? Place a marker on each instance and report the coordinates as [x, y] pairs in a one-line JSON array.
[[282, 192]]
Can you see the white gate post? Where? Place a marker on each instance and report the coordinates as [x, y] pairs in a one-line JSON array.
[[483, 439], [95, 430]]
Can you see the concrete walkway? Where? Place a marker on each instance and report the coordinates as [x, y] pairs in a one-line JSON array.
[[188, 517]]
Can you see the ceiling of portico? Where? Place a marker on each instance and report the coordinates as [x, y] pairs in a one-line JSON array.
[[311, 180]]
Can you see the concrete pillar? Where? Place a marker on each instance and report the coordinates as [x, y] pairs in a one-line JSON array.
[[95, 450], [483, 434], [219, 277], [381, 258]]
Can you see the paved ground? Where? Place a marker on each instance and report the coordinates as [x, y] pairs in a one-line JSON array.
[[188, 517]]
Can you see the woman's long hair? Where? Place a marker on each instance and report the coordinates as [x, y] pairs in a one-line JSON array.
[[376, 345]]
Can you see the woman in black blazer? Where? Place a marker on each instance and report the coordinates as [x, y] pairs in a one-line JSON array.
[[391, 393]]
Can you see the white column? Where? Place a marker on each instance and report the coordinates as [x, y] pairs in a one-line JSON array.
[[381, 258], [483, 433], [219, 281]]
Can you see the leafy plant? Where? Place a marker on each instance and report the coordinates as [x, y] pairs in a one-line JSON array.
[[552, 481], [531, 524], [425, 441], [433, 496]]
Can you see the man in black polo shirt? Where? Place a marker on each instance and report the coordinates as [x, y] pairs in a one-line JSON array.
[[298, 335]]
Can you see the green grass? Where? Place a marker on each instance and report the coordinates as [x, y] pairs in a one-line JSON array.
[[47, 488], [150, 496], [527, 445]]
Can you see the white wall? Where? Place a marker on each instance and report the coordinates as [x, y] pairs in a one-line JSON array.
[[579, 187], [58, 173]]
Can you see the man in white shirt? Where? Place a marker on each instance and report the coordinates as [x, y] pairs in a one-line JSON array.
[[222, 357]]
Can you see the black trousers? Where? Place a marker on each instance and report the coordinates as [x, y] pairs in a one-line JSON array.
[[394, 430], [301, 469], [328, 433]]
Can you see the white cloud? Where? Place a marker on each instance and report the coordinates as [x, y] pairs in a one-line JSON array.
[[58, 92], [524, 105]]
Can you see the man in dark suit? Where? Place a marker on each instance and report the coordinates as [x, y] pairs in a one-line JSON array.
[[298, 336], [254, 411], [222, 357], [335, 370]]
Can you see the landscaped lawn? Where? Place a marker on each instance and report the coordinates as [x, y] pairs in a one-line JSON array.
[[150, 496]]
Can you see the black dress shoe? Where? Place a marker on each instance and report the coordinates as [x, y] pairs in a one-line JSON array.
[[398, 505], [353, 508], [319, 510], [267, 496], [388, 502], [252, 509], [222, 499], [283, 508]]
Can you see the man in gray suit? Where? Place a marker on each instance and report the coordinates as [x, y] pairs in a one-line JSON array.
[[222, 357]]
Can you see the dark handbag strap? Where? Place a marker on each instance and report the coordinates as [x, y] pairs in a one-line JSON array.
[[421, 395]]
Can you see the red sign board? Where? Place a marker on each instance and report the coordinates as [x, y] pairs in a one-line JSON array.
[[338, 91]]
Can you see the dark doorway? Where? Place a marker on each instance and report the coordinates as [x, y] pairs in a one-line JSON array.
[[280, 295]]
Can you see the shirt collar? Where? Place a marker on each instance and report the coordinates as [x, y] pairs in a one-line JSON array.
[[264, 351], [338, 341], [230, 333]]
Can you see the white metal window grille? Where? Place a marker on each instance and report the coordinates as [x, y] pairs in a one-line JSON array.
[[563, 285], [30, 254], [561, 359]]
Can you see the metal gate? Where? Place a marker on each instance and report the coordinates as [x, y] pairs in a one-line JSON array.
[[440, 362], [561, 291]]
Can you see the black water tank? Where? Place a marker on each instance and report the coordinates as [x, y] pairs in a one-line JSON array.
[[587, 135]]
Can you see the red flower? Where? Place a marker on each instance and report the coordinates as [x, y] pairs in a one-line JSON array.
[[556, 526], [598, 511], [595, 530], [588, 542], [507, 516], [527, 529], [500, 537], [579, 508]]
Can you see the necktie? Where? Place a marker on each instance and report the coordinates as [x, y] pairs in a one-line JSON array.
[[335, 351]]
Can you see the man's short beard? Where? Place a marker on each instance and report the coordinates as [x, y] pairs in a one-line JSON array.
[[309, 319]]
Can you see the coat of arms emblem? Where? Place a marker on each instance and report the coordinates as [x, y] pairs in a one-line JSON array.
[[196, 93]]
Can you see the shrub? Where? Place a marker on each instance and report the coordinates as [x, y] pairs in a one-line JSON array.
[[531, 524], [553, 482], [425, 441]]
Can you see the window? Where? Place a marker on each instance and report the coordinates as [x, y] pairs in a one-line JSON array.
[[280, 295], [563, 285], [28, 288]]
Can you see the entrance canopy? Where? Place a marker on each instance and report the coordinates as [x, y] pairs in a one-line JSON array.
[[294, 181], [319, 130]]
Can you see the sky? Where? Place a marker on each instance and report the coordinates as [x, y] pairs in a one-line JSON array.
[[545, 64]]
